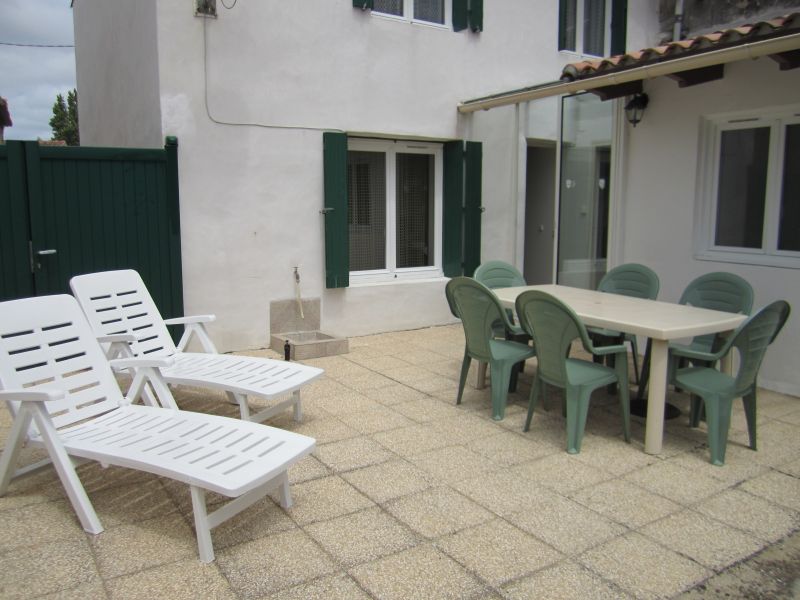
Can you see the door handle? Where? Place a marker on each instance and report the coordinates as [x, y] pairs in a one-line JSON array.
[[46, 252]]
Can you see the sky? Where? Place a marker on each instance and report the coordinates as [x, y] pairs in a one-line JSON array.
[[30, 78]]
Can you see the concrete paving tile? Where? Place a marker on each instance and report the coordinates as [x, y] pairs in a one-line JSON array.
[[94, 590], [709, 542], [561, 472], [408, 441], [264, 518], [325, 498], [363, 536], [751, 513], [778, 443], [776, 487], [38, 487], [437, 511], [323, 430], [362, 383], [423, 358], [331, 587], [564, 524], [420, 573], [353, 453], [375, 420], [347, 402], [307, 468], [663, 478], [133, 502], [33, 571], [790, 468], [613, 455], [433, 383], [502, 492], [37, 524], [625, 503], [643, 568], [739, 464], [269, 564], [564, 581], [185, 579], [498, 552], [408, 375], [389, 480], [378, 362], [464, 428], [454, 463], [130, 548], [393, 394], [511, 448], [428, 409]]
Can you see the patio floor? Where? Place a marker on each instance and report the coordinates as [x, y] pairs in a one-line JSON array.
[[409, 496]]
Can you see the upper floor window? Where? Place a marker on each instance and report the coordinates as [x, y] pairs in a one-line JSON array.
[[428, 11], [750, 190], [592, 27]]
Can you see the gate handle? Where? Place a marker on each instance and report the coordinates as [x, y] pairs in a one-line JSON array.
[[46, 252]]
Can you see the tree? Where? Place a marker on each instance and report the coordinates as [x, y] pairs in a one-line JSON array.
[[65, 119]]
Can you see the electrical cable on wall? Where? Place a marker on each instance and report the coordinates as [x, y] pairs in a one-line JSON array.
[[243, 124]]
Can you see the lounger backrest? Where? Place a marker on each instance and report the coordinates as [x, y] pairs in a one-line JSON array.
[[118, 302], [46, 343]]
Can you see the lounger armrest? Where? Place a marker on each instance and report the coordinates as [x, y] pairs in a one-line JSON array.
[[604, 350], [194, 325], [119, 364], [117, 338], [31, 395], [191, 319]]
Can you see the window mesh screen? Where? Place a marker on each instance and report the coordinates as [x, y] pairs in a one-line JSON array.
[[366, 209], [789, 233], [414, 210], [391, 7], [742, 187], [429, 10], [594, 25]]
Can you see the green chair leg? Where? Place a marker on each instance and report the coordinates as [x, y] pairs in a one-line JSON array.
[[695, 410], [750, 414], [577, 412], [463, 379], [718, 416], [501, 376], [536, 389]]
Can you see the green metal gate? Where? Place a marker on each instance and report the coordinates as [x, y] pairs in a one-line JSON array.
[[68, 210]]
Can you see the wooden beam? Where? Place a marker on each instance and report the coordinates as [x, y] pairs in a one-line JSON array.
[[610, 92], [787, 60], [696, 76]]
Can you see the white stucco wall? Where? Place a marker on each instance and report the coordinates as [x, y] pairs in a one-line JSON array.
[[117, 67], [661, 165]]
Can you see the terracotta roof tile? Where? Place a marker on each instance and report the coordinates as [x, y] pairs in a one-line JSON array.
[[740, 34]]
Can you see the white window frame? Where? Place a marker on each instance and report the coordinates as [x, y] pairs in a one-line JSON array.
[[408, 15], [390, 149], [711, 129], [578, 51]]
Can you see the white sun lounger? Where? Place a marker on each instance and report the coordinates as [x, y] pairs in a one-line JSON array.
[[59, 386], [117, 303]]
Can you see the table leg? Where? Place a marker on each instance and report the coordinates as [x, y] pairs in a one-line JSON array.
[[657, 397]]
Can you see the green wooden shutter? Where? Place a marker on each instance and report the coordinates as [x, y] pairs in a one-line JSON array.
[[562, 25], [472, 206], [363, 4], [476, 15], [16, 279], [460, 15], [337, 235], [452, 234], [619, 26]]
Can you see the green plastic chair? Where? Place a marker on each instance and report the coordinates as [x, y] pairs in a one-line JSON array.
[[554, 326], [716, 391], [479, 311], [716, 291], [496, 274], [630, 279]]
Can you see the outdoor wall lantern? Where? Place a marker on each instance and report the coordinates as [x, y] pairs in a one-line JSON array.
[[634, 109]]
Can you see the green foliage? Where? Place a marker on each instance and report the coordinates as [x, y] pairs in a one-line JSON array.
[[65, 119]]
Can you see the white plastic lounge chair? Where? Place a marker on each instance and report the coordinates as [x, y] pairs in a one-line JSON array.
[[60, 388], [118, 303]]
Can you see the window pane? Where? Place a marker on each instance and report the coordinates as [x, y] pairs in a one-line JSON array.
[[742, 187], [569, 16], [789, 232], [414, 210], [594, 26], [429, 10], [392, 7], [366, 209]]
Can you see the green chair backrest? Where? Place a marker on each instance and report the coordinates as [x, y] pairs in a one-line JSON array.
[[479, 309], [498, 274], [719, 291], [631, 279], [553, 326], [752, 339]]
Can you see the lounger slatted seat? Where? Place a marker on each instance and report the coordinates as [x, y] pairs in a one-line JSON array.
[[59, 386], [118, 305]]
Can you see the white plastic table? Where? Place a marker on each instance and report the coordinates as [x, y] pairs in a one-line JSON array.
[[659, 321]]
